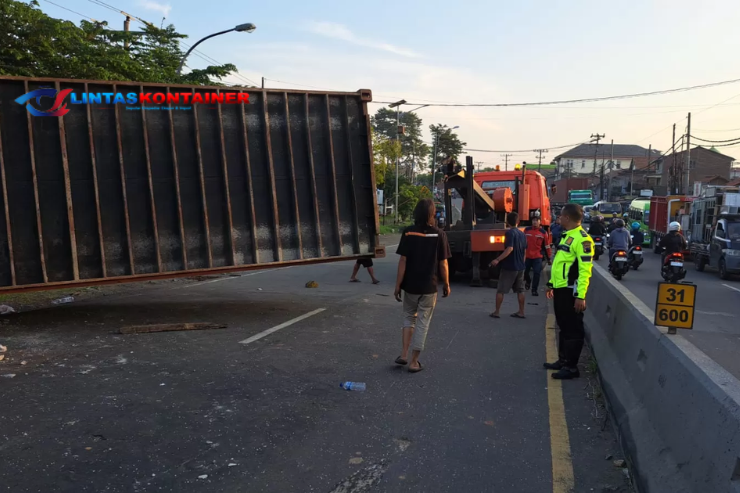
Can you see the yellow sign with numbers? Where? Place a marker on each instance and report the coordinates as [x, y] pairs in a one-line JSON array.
[[674, 306]]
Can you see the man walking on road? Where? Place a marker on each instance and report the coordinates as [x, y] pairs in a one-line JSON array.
[[511, 275], [569, 280], [424, 252], [366, 262], [538, 250]]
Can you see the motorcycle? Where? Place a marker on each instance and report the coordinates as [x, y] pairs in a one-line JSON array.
[[634, 256], [673, 270], [619, 265], [598, 246]]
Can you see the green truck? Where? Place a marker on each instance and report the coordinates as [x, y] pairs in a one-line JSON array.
[[581, 197]]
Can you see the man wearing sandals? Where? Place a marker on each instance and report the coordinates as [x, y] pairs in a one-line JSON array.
[[511, 275], [424, 252], [366, 262]]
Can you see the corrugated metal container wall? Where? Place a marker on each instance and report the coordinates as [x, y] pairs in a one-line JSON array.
[[113, 193]]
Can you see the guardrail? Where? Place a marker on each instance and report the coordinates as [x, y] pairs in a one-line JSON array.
[[677, 412]]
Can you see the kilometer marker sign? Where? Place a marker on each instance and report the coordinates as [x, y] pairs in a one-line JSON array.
[[674, 306]]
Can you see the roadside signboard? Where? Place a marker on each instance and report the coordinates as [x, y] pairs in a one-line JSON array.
[[674, 306]]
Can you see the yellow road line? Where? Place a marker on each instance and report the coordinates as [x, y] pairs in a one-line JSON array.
[[563, 480]]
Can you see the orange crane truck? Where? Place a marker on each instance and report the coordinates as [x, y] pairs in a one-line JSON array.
[[478, 238]]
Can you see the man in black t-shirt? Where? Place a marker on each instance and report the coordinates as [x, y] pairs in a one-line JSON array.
[[424, 252]]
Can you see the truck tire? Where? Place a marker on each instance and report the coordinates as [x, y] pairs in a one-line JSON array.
[[723, 274], [699, 263]]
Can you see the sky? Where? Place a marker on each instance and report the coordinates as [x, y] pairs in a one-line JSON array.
[[471, 51]]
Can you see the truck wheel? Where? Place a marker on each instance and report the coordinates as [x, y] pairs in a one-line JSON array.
[[700, 263], [723, 274]]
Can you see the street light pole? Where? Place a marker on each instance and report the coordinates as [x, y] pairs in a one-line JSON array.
[[248, 27], [397, 105]]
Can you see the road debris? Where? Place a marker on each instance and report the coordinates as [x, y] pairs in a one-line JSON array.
[[620, 463], [6, 310], [203, 476], [146, 329], [63, 301], [9, 375], [3, 349], [312, 284]]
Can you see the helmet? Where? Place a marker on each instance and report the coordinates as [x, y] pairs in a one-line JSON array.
[[674, 226], [620, 223], [635, 225], [625, 215]]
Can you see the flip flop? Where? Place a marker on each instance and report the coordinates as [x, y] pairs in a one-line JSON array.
[[401, 361], [416, 370], [492, 315], [376, 282], [516, 315], [354, 280]]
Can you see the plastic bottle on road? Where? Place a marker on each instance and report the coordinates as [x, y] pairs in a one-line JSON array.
[[357, 386], [62, 301]]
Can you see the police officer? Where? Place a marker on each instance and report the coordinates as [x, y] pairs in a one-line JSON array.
[[569, 280]]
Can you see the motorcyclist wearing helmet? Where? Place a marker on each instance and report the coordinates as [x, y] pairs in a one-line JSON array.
[[597, 227], [612, 225], [638, 237], [619, 239], [673, 242]]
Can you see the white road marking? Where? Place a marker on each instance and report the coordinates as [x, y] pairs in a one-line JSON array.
[[731, 287], [391, 246], [227, 278], [267, 332]]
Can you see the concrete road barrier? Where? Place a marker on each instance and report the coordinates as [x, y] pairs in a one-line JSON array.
[[677, 412]]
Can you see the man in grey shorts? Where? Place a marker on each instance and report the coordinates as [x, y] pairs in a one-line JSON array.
[[424, 252], [511, 275]]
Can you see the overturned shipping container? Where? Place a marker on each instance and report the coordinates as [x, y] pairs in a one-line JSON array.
[[130, 188]]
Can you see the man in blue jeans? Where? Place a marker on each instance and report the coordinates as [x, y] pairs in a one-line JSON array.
[[537, 251]]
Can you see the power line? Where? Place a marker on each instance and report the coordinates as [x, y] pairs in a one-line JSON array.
[[715, 141], [529, 151], [70, 10], [588, 100]]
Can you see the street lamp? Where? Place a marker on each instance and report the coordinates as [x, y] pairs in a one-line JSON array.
[[397, 105], [241, 28], [434, 157]]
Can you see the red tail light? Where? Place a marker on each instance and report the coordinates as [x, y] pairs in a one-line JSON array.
[[678, 256], [621, 254], [638, 248], [598, 238]]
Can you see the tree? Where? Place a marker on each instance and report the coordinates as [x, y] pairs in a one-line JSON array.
[[448, 144], [413, 149], [36, 45], [408, 196]]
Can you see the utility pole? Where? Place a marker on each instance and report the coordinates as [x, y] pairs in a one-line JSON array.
[[126, 27], [263, 82], [596, 138], [688, 157], [611, 164], [673, 181], [506, 161], [539, 158], [477, 164]]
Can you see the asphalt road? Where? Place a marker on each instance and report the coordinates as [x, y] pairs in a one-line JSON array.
[[95, 411], [716, 329]]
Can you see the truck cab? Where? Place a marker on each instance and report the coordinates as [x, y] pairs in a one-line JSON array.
[[724, 248]]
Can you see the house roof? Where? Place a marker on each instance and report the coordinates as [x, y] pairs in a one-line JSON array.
[[734, 183], [620, 151]]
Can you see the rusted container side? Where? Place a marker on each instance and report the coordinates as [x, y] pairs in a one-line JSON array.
[[112, 193]]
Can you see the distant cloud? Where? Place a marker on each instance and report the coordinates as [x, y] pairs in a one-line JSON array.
[[338, 31], [156, 6]]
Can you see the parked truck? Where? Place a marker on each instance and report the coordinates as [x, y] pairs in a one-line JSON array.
[[562, 187], [134, 189], [478, 238], [714, 231], [664, 210]]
